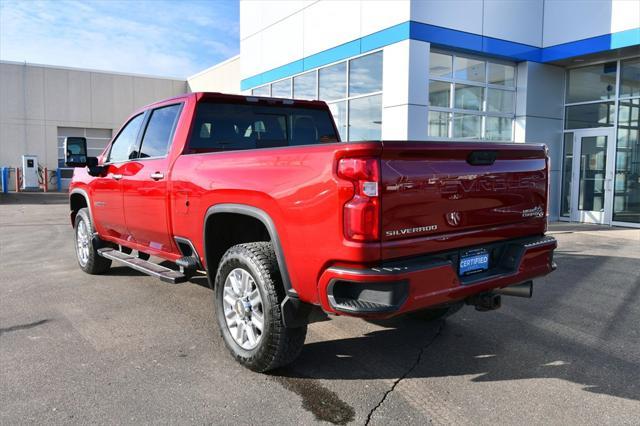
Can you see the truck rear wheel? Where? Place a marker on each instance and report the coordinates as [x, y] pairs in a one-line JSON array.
[[248, 293], [88, 258]]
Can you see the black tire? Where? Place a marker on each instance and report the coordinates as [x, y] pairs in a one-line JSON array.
[[277, 345], [436, 313], [88, 259]]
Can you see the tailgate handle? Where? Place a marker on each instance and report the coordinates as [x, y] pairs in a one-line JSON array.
[[482, 158]]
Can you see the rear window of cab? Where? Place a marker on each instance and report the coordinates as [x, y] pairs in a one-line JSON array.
[[230, 127]]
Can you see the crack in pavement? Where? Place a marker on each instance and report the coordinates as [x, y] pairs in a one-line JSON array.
[[404, 376], [23, 326]]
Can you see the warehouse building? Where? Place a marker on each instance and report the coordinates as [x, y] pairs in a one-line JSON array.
[[561, 72]]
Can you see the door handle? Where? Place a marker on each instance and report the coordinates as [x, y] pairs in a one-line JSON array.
[[157, 175], [116, 176]]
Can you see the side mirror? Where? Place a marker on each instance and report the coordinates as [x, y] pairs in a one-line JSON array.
[[75, 152]]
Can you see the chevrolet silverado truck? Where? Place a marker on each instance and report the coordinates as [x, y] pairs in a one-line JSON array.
[[291, 225]]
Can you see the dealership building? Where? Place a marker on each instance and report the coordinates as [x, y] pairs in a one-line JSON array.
[[561, 72]]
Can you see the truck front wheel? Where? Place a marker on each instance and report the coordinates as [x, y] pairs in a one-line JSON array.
[[88, 258], [248, 293]]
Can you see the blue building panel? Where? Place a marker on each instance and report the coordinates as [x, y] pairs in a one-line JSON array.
[[452, 39]]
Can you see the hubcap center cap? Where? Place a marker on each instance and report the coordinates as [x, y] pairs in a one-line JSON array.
[[242, 308]]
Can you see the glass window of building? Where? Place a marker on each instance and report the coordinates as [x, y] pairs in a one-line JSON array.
[[501, 74], [281, 89], [626, 203], [476, 96], [592, 83], [498, 128], [439, 93], [604, 95], [365, 74], [439, 123], [467, 126], [365, 118], [469, 69], [468, 97], [352, 89], [440, 65], [589, 115], [304, 86], [339, 112], [333, 82], [261, 91], [630, 78], [500, 100]]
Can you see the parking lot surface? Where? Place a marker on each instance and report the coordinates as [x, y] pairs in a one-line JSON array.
[[127, 348]]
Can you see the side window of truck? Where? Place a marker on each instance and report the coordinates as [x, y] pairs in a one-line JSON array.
[[125, 144], [159, 132]]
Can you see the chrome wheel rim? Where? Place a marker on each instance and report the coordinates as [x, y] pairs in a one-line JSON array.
[[83, 243], [243, 309]]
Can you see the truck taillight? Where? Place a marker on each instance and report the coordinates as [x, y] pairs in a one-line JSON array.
[[362, 211]]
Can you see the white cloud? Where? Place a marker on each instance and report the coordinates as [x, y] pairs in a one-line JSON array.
[[149, 37]]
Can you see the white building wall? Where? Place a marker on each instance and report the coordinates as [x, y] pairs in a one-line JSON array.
[[461, 15], [405, 90], [35, 100], [276, 33], [223, 77], [570, 20], [539, 117]]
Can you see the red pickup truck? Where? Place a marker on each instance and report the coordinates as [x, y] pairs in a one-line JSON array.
[[291, 224]]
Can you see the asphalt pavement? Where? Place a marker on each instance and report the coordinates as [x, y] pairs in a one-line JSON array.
[[126, 348]]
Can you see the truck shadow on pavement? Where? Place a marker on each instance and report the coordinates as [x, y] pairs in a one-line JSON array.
[[461, 350], [526, 339]]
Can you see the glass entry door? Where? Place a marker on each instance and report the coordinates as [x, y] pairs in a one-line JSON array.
[[592, 176]]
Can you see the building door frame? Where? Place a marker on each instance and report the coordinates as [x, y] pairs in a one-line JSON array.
[[602, 181]]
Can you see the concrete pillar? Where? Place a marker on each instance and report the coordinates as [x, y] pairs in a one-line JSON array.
[[539, 117], [405, 88]]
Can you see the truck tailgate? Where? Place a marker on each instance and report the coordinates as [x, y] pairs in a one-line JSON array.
[[445, 195]]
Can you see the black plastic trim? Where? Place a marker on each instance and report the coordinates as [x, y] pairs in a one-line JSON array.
[[397, 290], [263, 217], [86, 197], [504, 265], [296, 313], [188, 242]]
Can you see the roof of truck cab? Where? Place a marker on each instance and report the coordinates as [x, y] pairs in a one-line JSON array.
[[252, 98], [213, 96]]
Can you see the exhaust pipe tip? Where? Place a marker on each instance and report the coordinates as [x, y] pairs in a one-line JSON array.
[[524, 289]]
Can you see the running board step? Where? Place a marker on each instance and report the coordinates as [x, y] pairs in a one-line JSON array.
[[165, 274], [188, 262]]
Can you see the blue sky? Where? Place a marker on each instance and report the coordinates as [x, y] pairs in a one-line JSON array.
[[168, 38]]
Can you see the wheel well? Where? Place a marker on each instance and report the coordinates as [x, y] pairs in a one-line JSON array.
[[225, 230], [76, 202]]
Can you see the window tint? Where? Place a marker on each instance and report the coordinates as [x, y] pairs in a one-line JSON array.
[[226, 127], [125, 145], [157, 137]]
